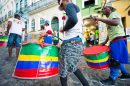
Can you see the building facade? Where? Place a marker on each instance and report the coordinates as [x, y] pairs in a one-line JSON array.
[[41, 10], [6, 12]]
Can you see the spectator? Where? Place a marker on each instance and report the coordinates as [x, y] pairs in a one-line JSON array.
[[15, 28], [92, 39]]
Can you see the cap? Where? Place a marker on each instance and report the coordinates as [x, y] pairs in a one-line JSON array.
[[47, 21], [110, 5]]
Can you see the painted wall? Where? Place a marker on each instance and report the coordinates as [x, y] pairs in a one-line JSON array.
[[85, 11]]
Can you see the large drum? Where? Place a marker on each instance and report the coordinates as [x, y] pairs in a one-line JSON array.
[[3, 40], [37, 61], [97, 57]]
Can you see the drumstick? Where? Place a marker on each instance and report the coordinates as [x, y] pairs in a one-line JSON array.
[[50, 32]]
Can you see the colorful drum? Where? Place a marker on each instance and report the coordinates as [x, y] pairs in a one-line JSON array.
[[3, 40], [97, 57], [37, 61]]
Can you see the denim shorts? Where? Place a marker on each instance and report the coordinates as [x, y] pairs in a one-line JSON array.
[[14, 37]]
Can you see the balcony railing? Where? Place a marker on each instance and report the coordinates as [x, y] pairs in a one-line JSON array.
[[10, 13], [41, 4], [5, 16]]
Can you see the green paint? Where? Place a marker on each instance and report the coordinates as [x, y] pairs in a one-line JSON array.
[[85, 11], [98, 57], [31, 49], [50, 51], [3, 37], [35, 49]]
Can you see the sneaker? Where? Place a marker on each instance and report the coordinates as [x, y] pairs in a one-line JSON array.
[[107, 82], [124, 76]]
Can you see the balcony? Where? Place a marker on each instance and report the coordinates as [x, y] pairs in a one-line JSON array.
[[10, 13], [41, 5]]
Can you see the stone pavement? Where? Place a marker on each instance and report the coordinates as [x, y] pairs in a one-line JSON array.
[[92, 75]]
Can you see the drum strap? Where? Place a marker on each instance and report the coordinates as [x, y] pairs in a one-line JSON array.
[[114, 64]]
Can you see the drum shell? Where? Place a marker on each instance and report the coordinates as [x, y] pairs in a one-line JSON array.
[[37, 62], [100, 61]]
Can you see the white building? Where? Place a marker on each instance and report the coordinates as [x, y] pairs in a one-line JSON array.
[[41, 10], [6, 12]]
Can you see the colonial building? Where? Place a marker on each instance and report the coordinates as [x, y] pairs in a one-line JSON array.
[[6, 11]]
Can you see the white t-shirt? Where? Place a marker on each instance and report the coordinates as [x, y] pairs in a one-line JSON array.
[[92, 37], [17, 26], [48, 28]]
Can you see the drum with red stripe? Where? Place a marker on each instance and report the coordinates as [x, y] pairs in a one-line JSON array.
[[37, 61], [4, 40], [97, 57]]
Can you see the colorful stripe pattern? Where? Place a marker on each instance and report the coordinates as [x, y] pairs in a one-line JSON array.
[[35, 62], [98, 61], [4, 40]]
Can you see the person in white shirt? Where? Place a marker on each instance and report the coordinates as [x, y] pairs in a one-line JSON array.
[[92, 39], [15, 28], [48, 36]]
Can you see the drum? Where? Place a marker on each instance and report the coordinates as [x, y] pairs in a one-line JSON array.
[[37, 61], [3, 40], [97, 57]]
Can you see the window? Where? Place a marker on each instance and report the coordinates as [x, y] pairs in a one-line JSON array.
[[25, 5], [74, 1], [17, 7], [42, 22], [33, 25], [86, 3], [21, 5]]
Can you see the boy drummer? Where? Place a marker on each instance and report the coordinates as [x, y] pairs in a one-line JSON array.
[[118, 44]]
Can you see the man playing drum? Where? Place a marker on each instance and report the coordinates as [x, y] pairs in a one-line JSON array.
[[72, 46], [118, 44]]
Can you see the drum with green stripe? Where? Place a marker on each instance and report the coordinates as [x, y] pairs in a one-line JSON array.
[[3, 40], [97, 57], [37, 61]]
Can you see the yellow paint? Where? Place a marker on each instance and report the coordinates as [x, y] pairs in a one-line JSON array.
[[98, 61], [36, 58]]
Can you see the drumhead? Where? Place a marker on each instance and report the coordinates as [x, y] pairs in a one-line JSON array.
[[96, 50]]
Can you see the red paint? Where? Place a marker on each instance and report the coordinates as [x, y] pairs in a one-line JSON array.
[[98, 67], [31, 73], [3, 44]]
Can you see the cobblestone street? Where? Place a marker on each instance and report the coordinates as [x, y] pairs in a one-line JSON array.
[[93, 76]]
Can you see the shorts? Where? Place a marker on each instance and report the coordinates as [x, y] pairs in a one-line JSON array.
[[69, 56], [84, 43], [26, 37], [48, 40], [14, 37], [119, 51]]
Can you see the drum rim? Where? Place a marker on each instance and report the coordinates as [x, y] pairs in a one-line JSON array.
[[13, 76], [98, 53]]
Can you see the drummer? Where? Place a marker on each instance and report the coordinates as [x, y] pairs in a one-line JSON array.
[[72, 47], [118, 44]]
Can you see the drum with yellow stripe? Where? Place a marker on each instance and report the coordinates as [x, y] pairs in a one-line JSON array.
[[97, 57], [37, 61], [3, 40]]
